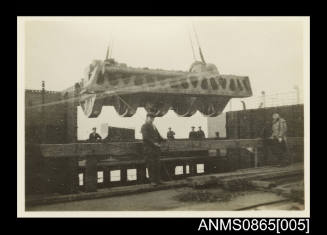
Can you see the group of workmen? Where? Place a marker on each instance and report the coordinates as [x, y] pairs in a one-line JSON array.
[[152, 140], [193, 135]]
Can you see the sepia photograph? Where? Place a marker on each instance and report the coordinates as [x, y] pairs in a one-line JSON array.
[[163, 116]]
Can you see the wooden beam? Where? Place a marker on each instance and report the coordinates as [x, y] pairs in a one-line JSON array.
[[91, 174], [135, 148], [255, 157]]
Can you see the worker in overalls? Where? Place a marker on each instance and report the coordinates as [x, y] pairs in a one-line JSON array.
[[151, 149], [278, 139]]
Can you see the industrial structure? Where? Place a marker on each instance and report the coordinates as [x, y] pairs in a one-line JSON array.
[[56, 162]]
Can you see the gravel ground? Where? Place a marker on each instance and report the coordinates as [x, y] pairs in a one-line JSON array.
[[167, 200]]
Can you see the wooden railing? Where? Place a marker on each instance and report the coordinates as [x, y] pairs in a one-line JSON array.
[[126, 148]]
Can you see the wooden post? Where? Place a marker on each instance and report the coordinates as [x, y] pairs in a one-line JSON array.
[[91, 174], [72, 175], [141, 173], [43, 123], [123, 175], [184, 169], [255, 157], [192, 168], [106, 177]]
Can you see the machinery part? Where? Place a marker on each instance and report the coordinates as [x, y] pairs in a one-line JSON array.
[[243, 105], [208, 109], [91, 105], [125, 106], [212, 107], [158, 107], [159, 90], [185, 107]]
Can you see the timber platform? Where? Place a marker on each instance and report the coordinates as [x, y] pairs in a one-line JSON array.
[[279, 184]]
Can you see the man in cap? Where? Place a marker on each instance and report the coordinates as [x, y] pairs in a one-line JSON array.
[[151, 149], [278, 139], [200, 134], [94, 136], [192, 135], [217, 135], [170, 134]]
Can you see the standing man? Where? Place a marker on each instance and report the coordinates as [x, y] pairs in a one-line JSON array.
[[217, 136], [200, 134], [151, 149], [94, 136], [278, 139], [170, 134], [192, 135]]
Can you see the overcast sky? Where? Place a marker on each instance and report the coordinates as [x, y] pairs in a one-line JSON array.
[[268, 50]]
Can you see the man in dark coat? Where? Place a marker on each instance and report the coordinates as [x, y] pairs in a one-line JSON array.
[[200, 134], [94, 136], [151, 149], [192, 135], [217, 136], [278, 139], [170, 134]]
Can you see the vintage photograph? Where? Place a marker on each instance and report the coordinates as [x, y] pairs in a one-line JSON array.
[[178, 115]]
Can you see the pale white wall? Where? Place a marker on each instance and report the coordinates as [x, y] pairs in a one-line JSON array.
[[217, 124], [104, 130], [181, 125]]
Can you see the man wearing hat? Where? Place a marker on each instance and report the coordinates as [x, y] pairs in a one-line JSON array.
[[94, 136], [192, 135], [278, 139], [170, 134], [200, 134], [151, 149]]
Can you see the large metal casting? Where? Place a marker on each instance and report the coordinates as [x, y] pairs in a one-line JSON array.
[[202, 88]]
